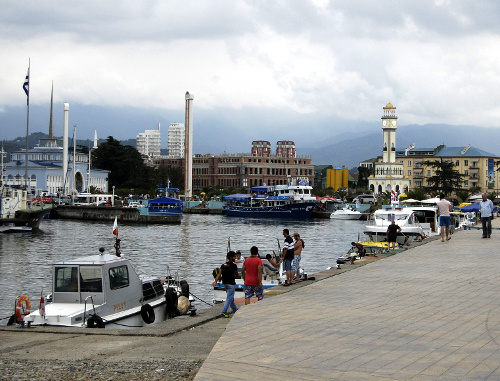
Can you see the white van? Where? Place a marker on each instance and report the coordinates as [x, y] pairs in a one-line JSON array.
[[366, 199]]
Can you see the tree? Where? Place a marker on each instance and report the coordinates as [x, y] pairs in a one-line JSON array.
[[417, 194], [446, 179], [363, 174], [127, 169]]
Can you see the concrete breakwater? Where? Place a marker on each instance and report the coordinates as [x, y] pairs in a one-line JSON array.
[[104, 213]]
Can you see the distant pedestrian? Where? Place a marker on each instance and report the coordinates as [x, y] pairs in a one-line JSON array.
[[444, 207], [288, 257], [297, 251], [229, 273], [486, 215], [392, 234], [251, 272]]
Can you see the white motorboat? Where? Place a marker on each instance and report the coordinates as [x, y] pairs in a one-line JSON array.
[[405, 218], [346, 214], [105, 291]]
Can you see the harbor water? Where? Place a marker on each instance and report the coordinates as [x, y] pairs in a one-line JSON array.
[[192, 248]]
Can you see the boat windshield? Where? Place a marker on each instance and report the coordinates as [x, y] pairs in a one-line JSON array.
[[66, 279], [391, 216]]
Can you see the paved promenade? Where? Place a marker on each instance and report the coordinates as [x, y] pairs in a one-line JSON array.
[[430, 313]]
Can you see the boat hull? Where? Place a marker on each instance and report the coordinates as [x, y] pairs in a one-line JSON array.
[[300, 210], [220, 292], [346, 215], [25, 220]]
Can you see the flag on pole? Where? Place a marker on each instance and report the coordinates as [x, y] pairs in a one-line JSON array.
[[115, 228], [26, 85], [41, 308]]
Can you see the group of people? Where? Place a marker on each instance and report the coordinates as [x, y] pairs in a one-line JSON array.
[[486, 208], [251, 270]]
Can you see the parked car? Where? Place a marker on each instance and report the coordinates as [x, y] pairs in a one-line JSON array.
[[366, 199]]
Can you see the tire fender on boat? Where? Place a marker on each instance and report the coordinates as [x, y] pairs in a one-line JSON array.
[[23, 308], [171, 300], [184, 288], [95, 321], [148, 314]]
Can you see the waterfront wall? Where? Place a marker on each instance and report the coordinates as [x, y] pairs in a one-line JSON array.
[[103, 213]]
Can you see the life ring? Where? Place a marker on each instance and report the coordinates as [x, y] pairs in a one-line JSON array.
[[148, 314], [95, 321], [184, 288], [23, 308]]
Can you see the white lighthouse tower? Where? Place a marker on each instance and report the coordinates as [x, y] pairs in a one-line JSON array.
[[389, 173]]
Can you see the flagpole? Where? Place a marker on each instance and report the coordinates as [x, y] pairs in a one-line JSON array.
[[26, 89]]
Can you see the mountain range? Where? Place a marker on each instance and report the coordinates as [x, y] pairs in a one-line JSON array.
[[328, 141]]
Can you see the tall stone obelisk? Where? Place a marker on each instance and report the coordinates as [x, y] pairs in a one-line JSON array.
[[188, 147]]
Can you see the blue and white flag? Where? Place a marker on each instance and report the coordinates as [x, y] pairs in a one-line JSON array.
[[26, 85]]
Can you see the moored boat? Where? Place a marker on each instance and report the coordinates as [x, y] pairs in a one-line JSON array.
[[346, 214], [103, 290], [294, 200]]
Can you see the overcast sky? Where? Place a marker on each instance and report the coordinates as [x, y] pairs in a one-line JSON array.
[[436, 61]]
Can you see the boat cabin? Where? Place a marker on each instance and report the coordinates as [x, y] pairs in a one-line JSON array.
[[107, 278]]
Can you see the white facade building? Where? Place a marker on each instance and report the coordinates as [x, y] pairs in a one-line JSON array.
[[176, 140], [389, 173], [149, 142]]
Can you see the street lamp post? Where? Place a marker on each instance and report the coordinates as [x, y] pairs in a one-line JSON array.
[[113, 200]]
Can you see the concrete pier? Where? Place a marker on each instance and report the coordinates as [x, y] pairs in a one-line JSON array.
[[429, 313]]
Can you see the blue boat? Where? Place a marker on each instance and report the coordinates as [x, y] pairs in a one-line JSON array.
[[166, 205], [294, 200]]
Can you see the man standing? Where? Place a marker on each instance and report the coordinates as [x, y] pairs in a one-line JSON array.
[[444, 207], [297, 251], [288, 257], [251, 272], [392, 235], [486, 215], [229, 273]]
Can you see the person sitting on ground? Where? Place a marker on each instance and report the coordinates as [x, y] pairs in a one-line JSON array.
[[360, 247]]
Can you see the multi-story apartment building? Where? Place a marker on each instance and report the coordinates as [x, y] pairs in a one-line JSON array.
[[176, 140], [245, 170], [478, 166], [149, 142]]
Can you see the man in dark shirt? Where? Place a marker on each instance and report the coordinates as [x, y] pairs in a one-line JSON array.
[[229, 273], [392, 235]]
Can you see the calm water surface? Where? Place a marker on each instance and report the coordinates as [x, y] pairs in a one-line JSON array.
[[193, 249]]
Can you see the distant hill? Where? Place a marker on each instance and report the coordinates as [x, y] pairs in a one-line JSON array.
[[350, 152]]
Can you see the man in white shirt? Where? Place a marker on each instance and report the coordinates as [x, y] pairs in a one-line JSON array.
[[444, 207], [486, 215]]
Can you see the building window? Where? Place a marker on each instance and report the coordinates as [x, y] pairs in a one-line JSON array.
[[466, 162], [409, 163], [409, 172], [457, 163], [466, 172], [428, 172], [466, 183]]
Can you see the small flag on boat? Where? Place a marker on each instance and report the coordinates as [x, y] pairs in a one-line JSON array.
[[41, 308], [115, 228], [26, 84]]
